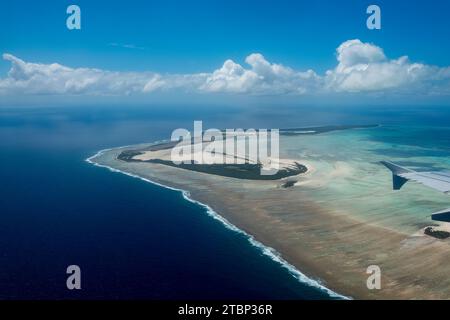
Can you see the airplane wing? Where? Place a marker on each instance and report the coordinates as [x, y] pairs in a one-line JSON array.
[[434, 179]]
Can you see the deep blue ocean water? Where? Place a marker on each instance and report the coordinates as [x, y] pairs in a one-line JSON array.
[[133, 239]]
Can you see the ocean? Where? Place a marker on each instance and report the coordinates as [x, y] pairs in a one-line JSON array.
[[133, 239]]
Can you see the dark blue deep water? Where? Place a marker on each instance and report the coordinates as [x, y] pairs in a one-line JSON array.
[[131, 239]]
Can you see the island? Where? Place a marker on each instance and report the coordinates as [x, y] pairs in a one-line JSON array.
[[327, 215]]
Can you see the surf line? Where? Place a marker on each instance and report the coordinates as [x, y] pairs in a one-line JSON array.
[[266, 250]]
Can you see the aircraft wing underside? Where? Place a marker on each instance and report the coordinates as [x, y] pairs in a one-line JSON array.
[[437, 180]]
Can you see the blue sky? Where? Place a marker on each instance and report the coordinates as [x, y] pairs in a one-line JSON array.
[[191, 37]]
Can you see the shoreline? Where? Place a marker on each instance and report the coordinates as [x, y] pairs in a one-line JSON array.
[[266, 250], [294, 228]]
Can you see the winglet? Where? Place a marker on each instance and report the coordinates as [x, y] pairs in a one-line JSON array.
[[397, 180], [443, 216]]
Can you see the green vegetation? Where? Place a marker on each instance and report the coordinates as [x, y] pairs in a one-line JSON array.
[[240, 171], [439, 234]]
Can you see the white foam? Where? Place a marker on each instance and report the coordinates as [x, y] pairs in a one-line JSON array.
[[266, 250]]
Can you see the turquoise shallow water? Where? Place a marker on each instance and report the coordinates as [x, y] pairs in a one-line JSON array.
[[349, 179]]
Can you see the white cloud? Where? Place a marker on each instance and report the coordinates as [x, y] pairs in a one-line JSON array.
[[34, 78], [125, 46], [361, 67], [364, 67], [262, 78], [355, 52]]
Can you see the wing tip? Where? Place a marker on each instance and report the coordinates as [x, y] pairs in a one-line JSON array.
[[397, 180], [395, 168]]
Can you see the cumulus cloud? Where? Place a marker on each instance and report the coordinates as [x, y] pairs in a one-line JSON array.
[[35, 78], [262, 77], [364, 67], [361, 67]]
